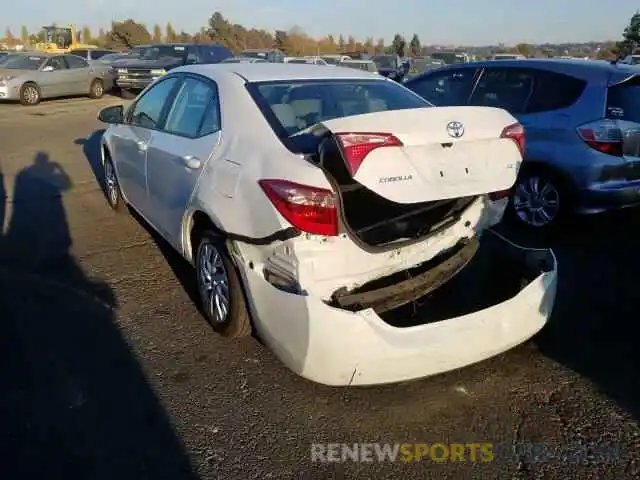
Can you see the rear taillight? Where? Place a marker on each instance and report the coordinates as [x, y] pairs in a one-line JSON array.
[[604, 136], [356, 146], [516, 133], [309, 209]]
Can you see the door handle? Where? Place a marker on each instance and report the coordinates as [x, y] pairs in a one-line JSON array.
[[142, 146], [191, 162]]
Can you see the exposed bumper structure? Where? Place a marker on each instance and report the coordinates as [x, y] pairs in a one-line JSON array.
[[500, 299]]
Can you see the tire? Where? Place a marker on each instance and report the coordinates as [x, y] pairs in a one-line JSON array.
[[232, 321], [96, 90], [544, 210], [30, 94], [112, 188]]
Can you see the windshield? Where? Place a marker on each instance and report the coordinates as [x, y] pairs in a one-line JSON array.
[[385, 61], [160, 51], [295, 106], [23, 62]]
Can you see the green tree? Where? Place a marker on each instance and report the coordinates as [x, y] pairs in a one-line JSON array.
[[87, 37], [415, 46], [398, 45], [24, 35], [169, 33], [282, 41], [351, 43], [341, 43], [380, 46], [630, 37], [127, 34], [157, 33], [525, 49], [368, 45], [8, 37]]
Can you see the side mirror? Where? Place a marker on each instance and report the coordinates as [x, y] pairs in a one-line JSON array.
[[112, 115], [48, 68]]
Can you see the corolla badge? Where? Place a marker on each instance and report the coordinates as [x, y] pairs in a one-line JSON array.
[[455, 129]]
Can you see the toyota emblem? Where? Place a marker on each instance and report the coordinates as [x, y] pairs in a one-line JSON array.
[[455, 129]]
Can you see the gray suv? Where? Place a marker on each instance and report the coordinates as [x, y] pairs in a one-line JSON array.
[[582, 129]]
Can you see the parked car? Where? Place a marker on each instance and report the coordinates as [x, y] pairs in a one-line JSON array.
[[3, 54], [360, 258], [335, 59], [270, 55], [420, 65], [305, 60], [30, 78], [365, 65], [244, 60], [91, 55], [156, 60], [112, 58], [580, 120], [389, 66]]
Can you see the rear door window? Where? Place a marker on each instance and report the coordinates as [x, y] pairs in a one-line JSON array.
[[74, 61], [445, 89], [554, 91], [508, 88]]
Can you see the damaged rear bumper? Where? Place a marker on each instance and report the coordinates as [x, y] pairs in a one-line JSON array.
[[497, 300]]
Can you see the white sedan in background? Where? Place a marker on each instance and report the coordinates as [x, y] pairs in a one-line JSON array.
[[335, 213]]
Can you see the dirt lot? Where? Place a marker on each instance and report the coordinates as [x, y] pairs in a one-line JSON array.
[[108, 372]]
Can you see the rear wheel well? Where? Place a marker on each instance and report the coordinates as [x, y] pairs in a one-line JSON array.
[[543, 167], [198, 223]]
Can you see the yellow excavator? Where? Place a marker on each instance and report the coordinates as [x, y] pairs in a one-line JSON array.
[[59, 40]]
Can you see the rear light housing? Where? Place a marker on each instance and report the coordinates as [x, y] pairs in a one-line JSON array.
[[357, 145], [309, 209], [516, 133], [605, 136]]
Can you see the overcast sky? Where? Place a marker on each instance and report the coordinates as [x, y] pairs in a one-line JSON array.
[[469, 22]]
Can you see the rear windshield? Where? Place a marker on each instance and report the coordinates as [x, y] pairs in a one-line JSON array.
[[294, 106], [623, 102]]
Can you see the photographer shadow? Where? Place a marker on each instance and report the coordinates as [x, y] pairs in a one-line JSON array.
[[75, 402]]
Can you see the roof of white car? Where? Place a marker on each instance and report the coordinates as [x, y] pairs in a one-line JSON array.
[[265, 72]]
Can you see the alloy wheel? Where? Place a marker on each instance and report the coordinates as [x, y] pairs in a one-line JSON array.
[[536, 201], [31, 95], [213, 283], [111, 183]]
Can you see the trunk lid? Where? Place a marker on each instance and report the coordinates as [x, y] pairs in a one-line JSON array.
[[432, 153]]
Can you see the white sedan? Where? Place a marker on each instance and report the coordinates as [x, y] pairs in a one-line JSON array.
[[340, 217]]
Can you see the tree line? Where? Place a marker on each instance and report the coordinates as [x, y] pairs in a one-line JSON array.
[[295, 41], [219, 29]]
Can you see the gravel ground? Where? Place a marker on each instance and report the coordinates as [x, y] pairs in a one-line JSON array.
[[108, 371]]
